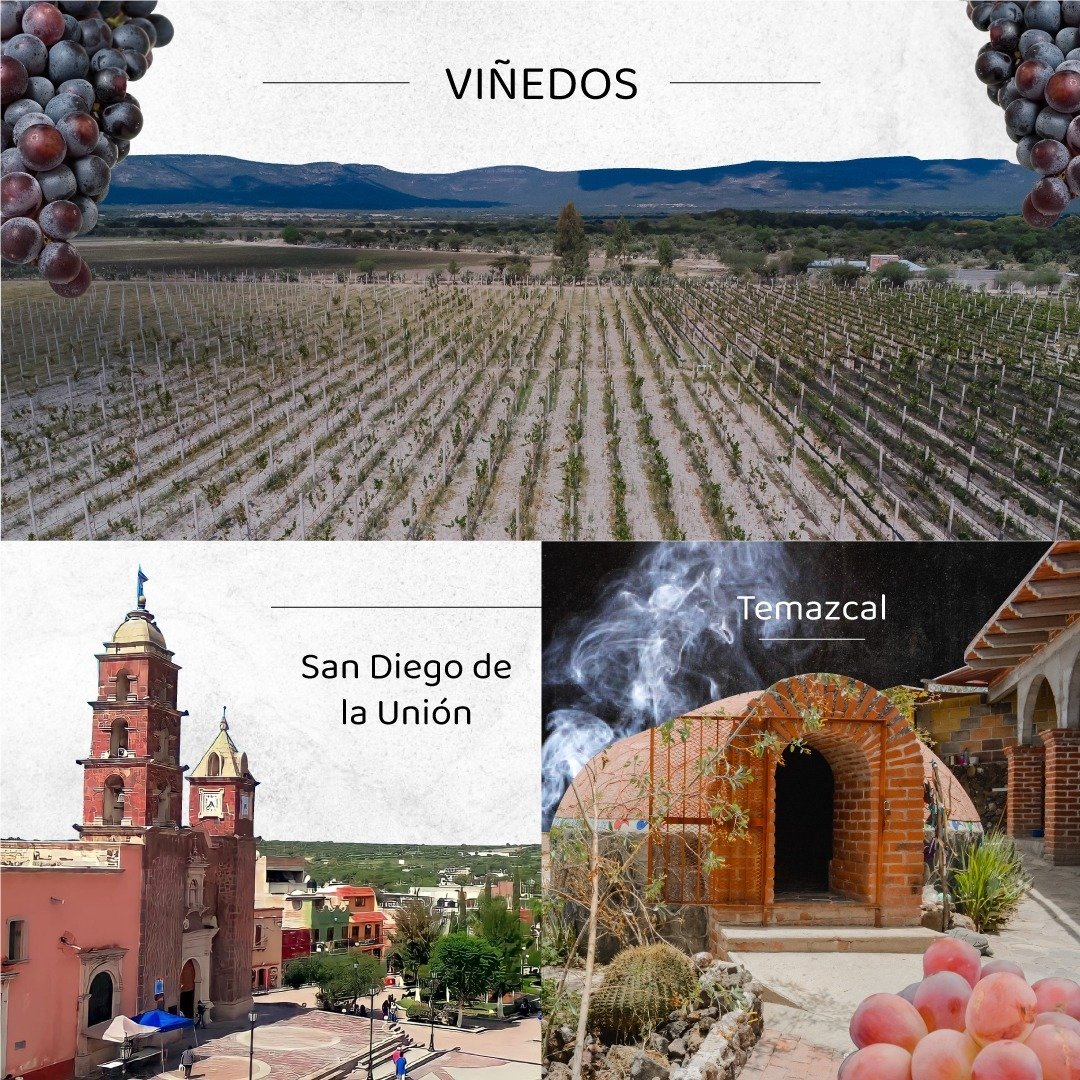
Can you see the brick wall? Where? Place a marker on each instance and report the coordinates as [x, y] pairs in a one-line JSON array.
[[1024, 805], [963, 724], [164, 880], [233, 874], [1062, 802]]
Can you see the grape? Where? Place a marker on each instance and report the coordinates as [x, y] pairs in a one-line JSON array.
[[1072, 136], [1047, 52], [81, 88], [13, 79], [29, 51], [1052, 125], [887, 1018], [1002, 1006], [59, 262], [68, 60], [941, 1000], [39, 89], [1043, 15], [63, 105], [122, 120], [20, 195], [1029, 38], [110, 85], [60, 220], [92, 176], [42, 147], [1020, 118], [1063, 91], [878, 1062], [1068, 38], [20, 239], [992, 67], [992, 966], [1049, 157], [1005, 36], [1032, 77], [1058, 1051], [28, 120], [58, 183], [163, 27], [80, 132], [76, 287], [949, 954], [1050, 195], [11, 161], [1006, 1060], [1057, 1019], [1072, 176], [944, 1055], [1058, 995], [129, 36], [45, 22], [68, 119]]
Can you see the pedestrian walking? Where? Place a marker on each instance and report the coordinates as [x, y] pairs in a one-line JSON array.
[[401, 1068], [386, 1010], [200, 1015], [187, 1060]]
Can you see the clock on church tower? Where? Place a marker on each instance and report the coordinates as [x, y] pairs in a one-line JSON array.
[[223, 789]]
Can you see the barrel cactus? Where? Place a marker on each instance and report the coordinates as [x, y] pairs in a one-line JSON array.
[[641, 987]]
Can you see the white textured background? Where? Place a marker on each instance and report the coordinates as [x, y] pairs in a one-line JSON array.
[[376, 783], [897, 79]]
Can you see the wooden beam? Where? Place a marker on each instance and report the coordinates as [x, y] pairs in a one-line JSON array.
[[987, 665], [1005, 657], [1030, 623], [1066, 562], [1059, 605], [1044, 590], [1032, 637]]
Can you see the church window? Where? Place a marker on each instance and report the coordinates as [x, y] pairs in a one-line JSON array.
[[100, 1004], [113, 810], [118, 739], [16, 940], [213, 765]]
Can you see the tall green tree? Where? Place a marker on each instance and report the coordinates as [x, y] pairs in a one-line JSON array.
[[571, 244], [467, 966], [665, 253], [504, 931], [416, 931], [619, 240]]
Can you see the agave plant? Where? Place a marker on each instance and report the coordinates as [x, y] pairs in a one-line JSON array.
[[988, 881]]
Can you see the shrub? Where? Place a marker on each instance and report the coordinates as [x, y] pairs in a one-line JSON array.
[[989, 882]]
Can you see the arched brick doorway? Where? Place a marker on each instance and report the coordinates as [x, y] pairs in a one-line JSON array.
[[189, 980], [873, 872], [803, 834]]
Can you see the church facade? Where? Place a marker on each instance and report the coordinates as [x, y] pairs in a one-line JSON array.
[[156, 896]]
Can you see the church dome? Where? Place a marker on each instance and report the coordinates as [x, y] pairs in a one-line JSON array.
[[138, 628]]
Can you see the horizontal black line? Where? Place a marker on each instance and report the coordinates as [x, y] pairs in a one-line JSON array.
[[405, 607], [745, 82], [335, 82]]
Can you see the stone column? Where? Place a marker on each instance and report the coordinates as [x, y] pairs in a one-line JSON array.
[[1024, 805], [1062, 813]]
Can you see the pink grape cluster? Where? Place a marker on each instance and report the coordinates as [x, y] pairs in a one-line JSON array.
[[68, 119], [967, 1020]]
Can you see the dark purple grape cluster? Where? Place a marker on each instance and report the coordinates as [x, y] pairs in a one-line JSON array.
[[68, 119], [1031, 68]]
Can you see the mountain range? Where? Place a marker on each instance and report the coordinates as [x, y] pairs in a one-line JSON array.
[[863, 185]]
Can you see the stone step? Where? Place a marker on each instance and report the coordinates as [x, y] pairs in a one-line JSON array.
[[804, 939]]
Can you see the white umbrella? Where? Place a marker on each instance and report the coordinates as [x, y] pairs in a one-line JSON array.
[[121, 1028]]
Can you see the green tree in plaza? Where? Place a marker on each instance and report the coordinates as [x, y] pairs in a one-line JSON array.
[[416, 931], [467, 966], [571, 244], [665, 253], [342, 977], [501, 927]]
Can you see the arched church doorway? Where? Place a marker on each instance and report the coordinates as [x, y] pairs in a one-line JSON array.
[[189, 978], [804, 824]]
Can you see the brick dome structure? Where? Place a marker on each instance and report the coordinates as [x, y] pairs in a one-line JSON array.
[[826, 780]]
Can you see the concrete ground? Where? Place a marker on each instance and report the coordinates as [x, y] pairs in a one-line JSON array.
[[1043, 937]]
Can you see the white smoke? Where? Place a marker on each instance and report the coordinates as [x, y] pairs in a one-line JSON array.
[[666, 638]]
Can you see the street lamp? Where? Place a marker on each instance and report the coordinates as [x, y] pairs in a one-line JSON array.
[[371, 1033], [126, 1050], [431, 1006], [252, 1017]]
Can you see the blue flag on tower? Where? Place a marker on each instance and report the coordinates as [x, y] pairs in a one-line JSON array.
[[139, 588]]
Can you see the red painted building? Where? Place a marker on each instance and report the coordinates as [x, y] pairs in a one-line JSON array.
[[169, 918]]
